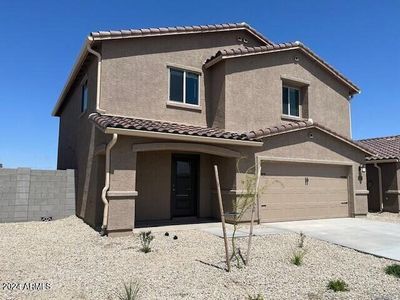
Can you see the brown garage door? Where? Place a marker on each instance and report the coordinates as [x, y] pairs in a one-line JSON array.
[[303, 191]]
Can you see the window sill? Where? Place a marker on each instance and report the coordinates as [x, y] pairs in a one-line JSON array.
[[291, 118], [191, 107]]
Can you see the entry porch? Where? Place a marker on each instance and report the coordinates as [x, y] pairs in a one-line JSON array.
[[156, 182]]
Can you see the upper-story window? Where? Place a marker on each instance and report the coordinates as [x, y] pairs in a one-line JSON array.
[[291, 101], [84, 97], [183, 86]]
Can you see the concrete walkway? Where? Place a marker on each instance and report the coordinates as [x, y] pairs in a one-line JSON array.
[[372, 237]]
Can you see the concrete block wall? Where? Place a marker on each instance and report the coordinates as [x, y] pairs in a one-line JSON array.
[[29, 195]]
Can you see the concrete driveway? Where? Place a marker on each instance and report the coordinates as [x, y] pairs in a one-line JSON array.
[[372, 237]]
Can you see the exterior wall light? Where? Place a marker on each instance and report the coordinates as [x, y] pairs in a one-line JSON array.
[[362, 169]]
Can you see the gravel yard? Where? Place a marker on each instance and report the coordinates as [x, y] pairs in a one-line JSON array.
[[384, 217], [79, 264]]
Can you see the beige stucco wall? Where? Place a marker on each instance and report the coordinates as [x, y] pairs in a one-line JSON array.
[[253, 92], [242, 94], [149, 173], [77, 140], [154, 186], [135, 74], [215, 95], [299, 146], [74, 127]]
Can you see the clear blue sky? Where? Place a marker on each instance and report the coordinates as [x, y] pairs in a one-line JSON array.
[[41, 39]]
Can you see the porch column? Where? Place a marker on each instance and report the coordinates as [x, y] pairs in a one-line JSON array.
[[122, 192], [358, 201]]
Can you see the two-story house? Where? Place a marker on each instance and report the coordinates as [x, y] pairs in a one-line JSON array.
[[145, 114]]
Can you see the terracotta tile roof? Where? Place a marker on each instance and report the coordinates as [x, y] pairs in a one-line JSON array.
[[299, 125], [278, 47], [383, 147], [130, 33], [107, 121]]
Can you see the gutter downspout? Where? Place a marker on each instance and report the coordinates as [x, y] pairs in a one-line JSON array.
[[380, 186], [98, 55], [350, 119], [107, 183]]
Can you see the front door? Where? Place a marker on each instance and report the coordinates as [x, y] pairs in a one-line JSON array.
[[184, 185]]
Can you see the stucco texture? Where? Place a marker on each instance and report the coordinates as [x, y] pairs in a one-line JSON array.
[[250, 91], [144, 93], [237, 94]]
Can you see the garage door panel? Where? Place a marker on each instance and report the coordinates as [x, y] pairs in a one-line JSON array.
[[301, 214], [303, 205], [288, 192], [303, 196], [303, 169], [293, 182]]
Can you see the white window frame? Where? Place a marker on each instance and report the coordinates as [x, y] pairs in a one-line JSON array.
[[184, 70], [289, 113]]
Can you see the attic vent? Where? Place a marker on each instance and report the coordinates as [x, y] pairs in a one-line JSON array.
[[242, 40]]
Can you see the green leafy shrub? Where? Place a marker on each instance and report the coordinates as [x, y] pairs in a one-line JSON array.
[[130, 291], [145, 239], [338, 285], [297, 258], [393, 269]]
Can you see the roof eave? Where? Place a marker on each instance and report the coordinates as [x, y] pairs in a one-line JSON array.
[[71, 78], [382, 160], [91, 39], [172, 136], [353, 88], [243, 26], [355, 145], [323, 130]]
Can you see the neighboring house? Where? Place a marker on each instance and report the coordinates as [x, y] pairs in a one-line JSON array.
[[145, 114], [383, 173]]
